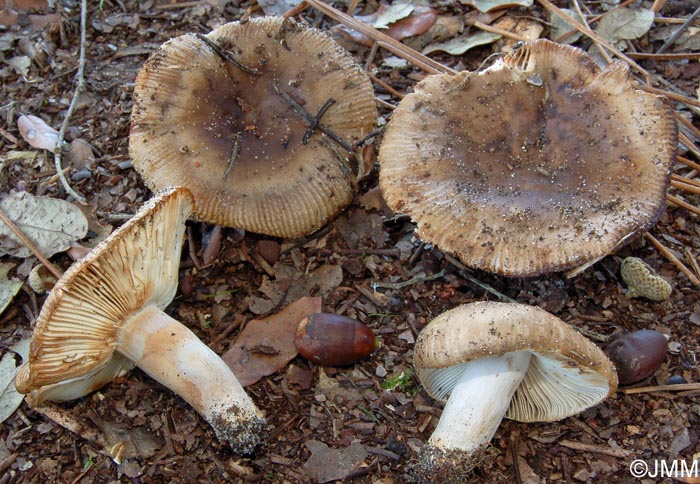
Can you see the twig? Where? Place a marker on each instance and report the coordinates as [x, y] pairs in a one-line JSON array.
[[685, 122], [571, 32], [313, 125], [688, 162], [226, 55], [672, 258], [668, 57], [309, 118], [410, 282], [592, 35], [392, 45], [678, 32], [658, 5], [602, 51], [384, 85], [681, 387], [689, 144], [692, 261], [570, 444], [671, 95], [688, 187], [682, 203], [513, 444], [29, 244], [57, 152], [496, 30], [464, 274], [172, 6]]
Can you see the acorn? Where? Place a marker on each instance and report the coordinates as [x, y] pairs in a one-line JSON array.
[[637, 355], [334, 340]]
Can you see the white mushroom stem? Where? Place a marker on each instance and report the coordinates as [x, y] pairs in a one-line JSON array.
[[479, 401], [173, 355]]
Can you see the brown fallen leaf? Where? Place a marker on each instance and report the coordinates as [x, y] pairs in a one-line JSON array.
[[326, 464], [275, 334], [417, 23]]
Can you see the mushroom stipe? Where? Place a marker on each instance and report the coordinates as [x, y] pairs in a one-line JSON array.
[[106, 315]]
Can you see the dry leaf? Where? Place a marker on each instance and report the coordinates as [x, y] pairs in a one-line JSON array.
[[8, 288], [267, 345], [52, 224], [37, 133], [9, 398], [459, 45], [326, 464], [524, 27], [488, 5], [421, 19], [389, 14], [561, 27], [625, 23]]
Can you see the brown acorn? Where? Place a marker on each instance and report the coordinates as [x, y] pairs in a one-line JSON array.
[[334, 340], [637, 355]]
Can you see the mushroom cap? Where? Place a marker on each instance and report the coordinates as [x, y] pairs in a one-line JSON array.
[[76, 333], [567, 372], [540, 163], [234, 141]]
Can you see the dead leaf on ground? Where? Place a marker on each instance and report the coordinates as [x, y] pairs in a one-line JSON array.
[[459, 45], [8, 287], [524, 27], [625, 24], [326, 464], [52, 224], [9, 398], [488, 5], [37, 133], [561, 27], [267, 345], [397, 21]]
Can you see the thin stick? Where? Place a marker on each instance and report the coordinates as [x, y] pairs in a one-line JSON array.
[[671, 95], [589, 33], [672, 258], [688, 187], [463, 273], [29, 244], [692, 261], [171, 6], [681, 387], [410, 282], [57, 152], [226, 55], [682, 203], [496, 30], [668, 57], [384, 85], [688, 162], [570, 444], [685, 180], [689, 144], [658, 5], [685, 122], [602, 51], [296, 10], [392, 45], [309, 118], [594, 20], [313, 125], [678, 32]]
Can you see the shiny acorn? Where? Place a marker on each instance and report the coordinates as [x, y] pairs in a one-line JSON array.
[[334, 340], [637, 355]]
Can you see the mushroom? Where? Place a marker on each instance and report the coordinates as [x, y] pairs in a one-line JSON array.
[[488, 360], [106, 314], [540, 163], [258, 120]]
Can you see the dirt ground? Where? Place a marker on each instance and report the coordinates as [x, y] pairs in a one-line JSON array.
[[358, 424]]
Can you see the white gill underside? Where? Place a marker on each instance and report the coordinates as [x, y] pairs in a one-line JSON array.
[[552, 389]]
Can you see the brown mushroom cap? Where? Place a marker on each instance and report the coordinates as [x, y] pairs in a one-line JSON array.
[[541, 163], [566, 375], [227, 134]]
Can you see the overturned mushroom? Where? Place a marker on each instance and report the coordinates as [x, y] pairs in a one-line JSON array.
[[106, 314], [540, 163], [488, 360], [258, 120]]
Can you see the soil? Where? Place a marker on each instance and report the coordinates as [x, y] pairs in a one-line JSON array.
[[374, 413]]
